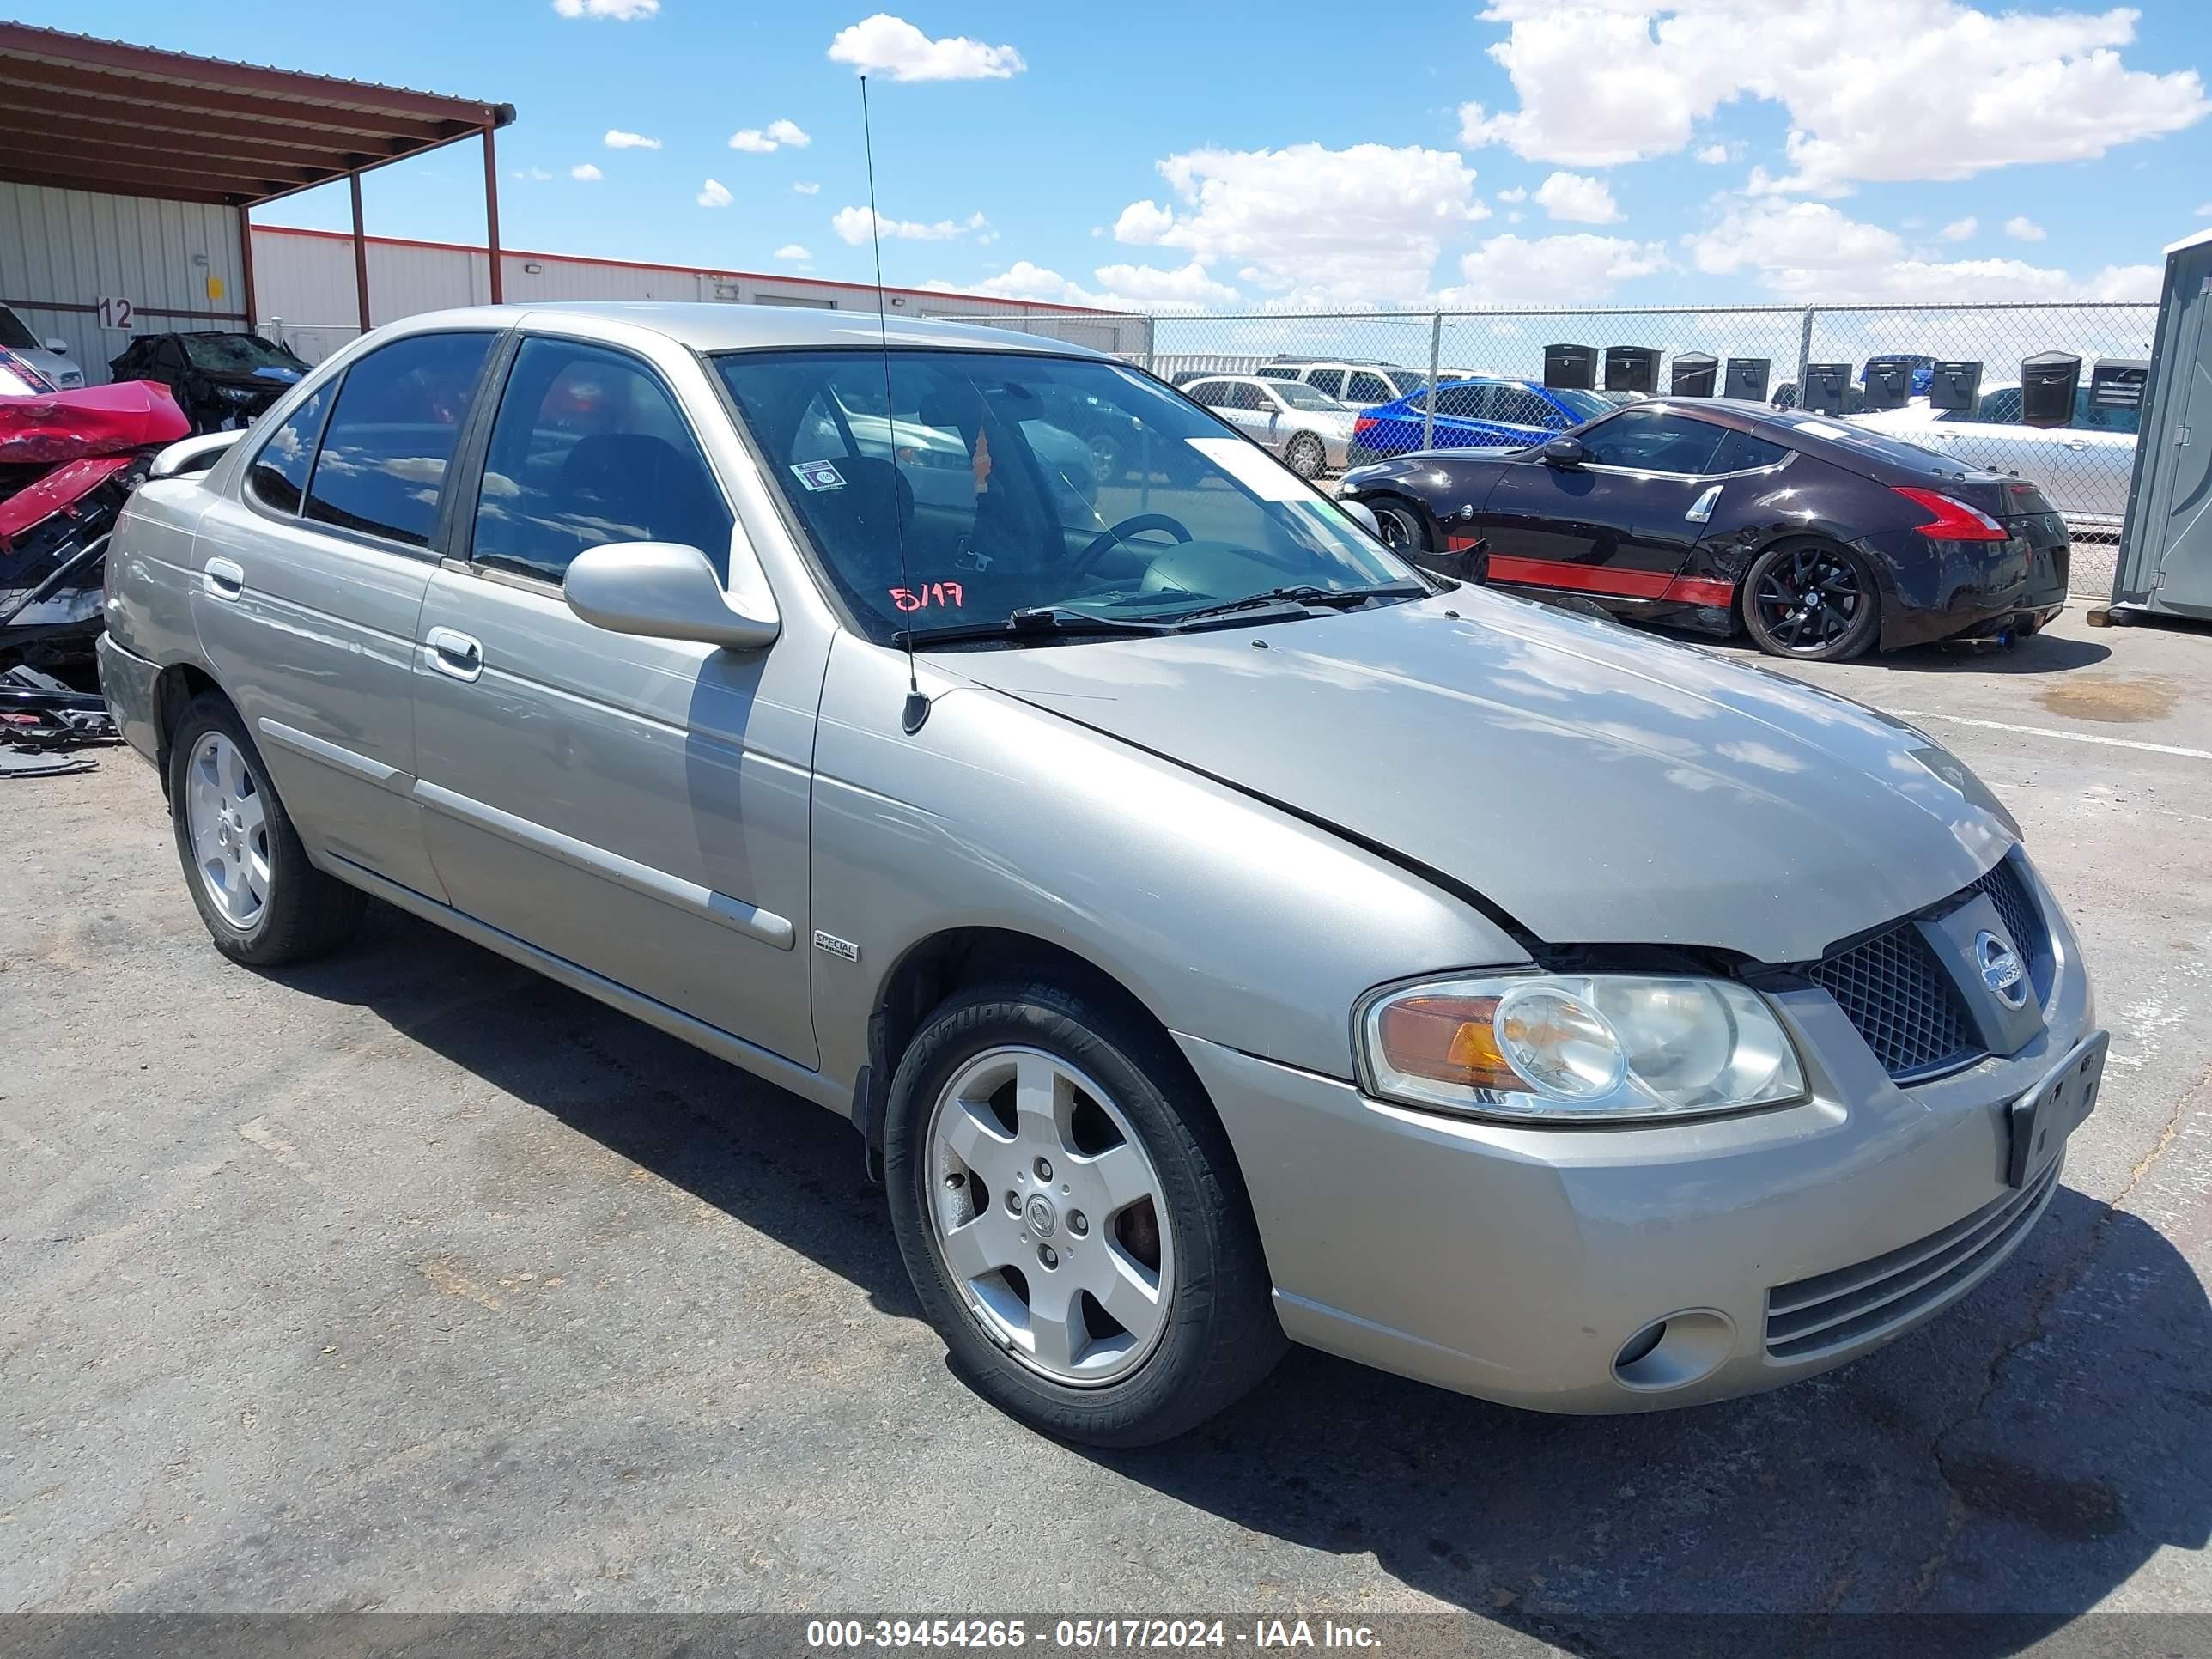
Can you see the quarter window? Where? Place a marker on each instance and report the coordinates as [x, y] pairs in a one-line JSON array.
[[589, 448], [1742, 453], [1653, 441], [392, 436], [279, 474]]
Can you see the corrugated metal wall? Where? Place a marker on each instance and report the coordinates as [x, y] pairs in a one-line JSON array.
[[306, 279], [62, 251]]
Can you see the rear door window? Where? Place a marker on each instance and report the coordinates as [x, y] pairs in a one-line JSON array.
[[1366, 389], [392, 436], [1329, 381]]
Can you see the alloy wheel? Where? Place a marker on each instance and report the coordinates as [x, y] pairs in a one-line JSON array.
[[1400, 533], [230, 830], [1049, 1218], [1810, 600]]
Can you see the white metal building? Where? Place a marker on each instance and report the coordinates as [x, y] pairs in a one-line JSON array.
[[305, 289]]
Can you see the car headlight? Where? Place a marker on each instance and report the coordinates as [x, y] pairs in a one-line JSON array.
[[1593, 1048], [236, 394]]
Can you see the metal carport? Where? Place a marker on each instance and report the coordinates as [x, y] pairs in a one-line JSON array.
[[127, 175]]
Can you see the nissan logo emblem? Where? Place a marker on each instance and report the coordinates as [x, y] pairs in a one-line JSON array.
[[2001, 969]]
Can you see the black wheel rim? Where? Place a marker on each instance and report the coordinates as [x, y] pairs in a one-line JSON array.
[[1397, 534], [1809, 600]]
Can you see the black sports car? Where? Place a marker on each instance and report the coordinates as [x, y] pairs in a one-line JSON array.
[[218, 380], [1820, 538]]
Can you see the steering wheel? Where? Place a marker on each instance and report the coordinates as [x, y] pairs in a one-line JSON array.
[[1107, 539]]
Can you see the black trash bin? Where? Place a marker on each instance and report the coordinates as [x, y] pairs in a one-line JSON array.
[[2118, 382], [1570, 367], [1747, 377], [1955, 384], [1692, 374], [2048, 381], [1631, 368], [1826, 385], [1888, 382]]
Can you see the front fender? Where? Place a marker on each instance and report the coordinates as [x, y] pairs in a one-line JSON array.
[[1229, 919]]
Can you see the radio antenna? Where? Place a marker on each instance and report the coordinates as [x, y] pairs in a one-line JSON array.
[[917, 706]]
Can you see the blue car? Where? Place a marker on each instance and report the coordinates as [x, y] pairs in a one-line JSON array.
[[1485, 413]]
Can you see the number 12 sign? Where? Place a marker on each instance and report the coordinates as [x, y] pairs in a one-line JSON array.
[[115, 313]]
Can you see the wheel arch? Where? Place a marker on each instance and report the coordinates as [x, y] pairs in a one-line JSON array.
[[953, 958], [175, 688]]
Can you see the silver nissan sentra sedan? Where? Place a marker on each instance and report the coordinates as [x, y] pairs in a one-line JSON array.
[[1218, 931]]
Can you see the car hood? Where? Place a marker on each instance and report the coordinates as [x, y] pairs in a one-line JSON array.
[[1599, 786]]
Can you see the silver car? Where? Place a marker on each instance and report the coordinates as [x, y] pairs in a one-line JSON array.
[[2083, 466], [1308, 428], [49, 358], [1218, 931]]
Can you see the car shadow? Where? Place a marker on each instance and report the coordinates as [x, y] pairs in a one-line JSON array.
[[2042, 654], [2017, 1459]]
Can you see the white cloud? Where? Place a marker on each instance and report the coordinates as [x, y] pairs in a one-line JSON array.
[[754, 141], [617, 139], [1606, 81], [1960, 229], [2022, 228], [623, 11], [851, 224], [807, 187], [587, 172], [715, 194], [793, 250], [884, 42], [1577, 199], [537, 174], [1518, 193], [1565, 269], [1311, 225], [1122, 287], [1811, 250], [2205, 211], [1714, 155]]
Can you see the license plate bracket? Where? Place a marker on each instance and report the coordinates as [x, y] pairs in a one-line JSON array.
[[2041, 1119]]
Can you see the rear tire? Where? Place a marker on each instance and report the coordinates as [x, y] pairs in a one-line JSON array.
[[1048, 1154], [1305, 456], [1811, 600], [250, 878]]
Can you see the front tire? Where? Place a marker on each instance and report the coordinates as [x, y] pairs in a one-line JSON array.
[[1305, 456], [1811, 600], [263, 902], [1072, 1218], [1403, 532]]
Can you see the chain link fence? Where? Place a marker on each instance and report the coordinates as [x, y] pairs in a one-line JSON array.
[[1422, 379]]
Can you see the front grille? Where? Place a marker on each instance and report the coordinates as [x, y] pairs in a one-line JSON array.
[[1833, 1311], [2022, 920], [1895, 992]]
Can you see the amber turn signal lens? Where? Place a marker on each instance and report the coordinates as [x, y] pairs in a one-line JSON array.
[[1448, 1039]]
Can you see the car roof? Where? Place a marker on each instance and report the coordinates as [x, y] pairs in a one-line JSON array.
[[710, 326]]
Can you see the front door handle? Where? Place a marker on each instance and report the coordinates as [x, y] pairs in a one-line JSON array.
[[224, 578], [454, 654]]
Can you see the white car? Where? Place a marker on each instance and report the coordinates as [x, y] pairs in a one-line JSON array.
[[1356, 385], [2082, 466], [1308, 429], [50, 358]]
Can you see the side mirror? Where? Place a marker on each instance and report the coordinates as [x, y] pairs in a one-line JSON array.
[[1362, 515], [667, 591], [1562, 452], [192, 454], [57, 345]]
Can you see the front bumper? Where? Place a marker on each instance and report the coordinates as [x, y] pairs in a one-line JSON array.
[[1513, 1263]]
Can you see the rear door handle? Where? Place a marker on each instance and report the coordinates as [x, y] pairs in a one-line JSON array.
[[223, 578], [454, 654]]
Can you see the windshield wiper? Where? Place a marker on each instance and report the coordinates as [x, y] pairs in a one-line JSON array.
[[1029, 622], [1306, 593]]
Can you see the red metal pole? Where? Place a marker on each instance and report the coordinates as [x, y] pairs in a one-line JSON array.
[[360, 253], [245, 263], [491, 217]]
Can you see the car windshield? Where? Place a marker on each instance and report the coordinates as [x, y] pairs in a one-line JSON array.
[[1298, 395], [13, 335], [996, 484]]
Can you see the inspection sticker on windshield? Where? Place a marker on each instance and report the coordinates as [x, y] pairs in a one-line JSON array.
[[1268, 479], [817, 475]]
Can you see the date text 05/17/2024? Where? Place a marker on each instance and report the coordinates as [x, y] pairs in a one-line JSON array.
[[1085, 1635]]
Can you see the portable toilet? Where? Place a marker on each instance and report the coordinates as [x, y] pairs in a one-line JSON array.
[[2164, 562]]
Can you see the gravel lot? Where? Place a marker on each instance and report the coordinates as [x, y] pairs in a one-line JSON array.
[[410, 1281]]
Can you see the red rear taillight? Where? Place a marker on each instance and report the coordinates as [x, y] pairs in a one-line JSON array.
[[1955, 521], [1365, 423]]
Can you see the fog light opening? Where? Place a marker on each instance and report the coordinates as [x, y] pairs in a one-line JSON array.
[[1675, 1352]]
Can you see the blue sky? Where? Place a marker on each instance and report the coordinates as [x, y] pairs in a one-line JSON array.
[[1293, 154]]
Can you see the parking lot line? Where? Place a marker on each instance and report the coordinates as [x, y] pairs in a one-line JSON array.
[[2049, 732]]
